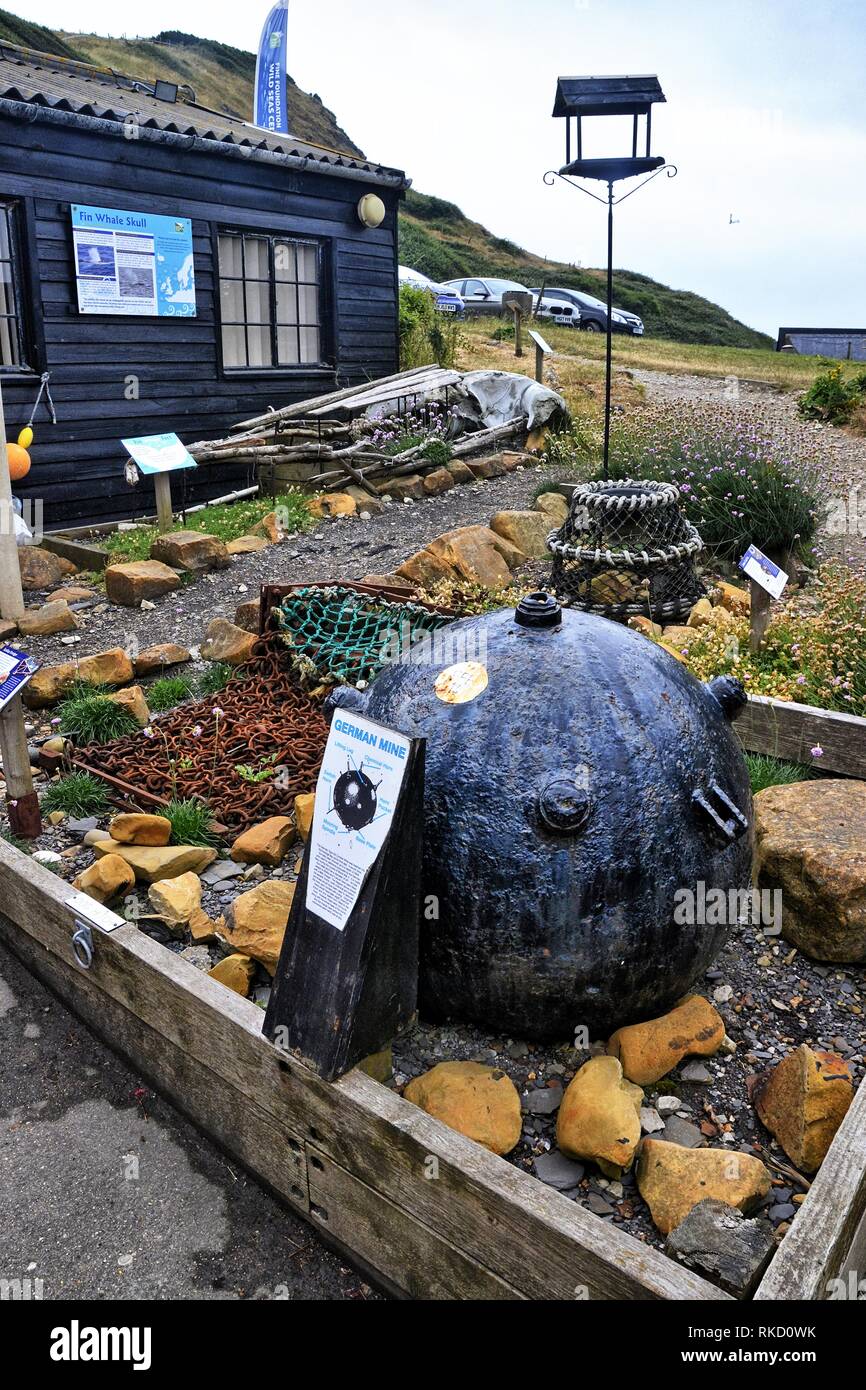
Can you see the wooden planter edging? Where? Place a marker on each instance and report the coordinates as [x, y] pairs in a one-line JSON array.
[[432, 1214], [787, 730]]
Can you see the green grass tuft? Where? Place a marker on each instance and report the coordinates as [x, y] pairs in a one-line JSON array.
[[88, 716], [215, 678], [773, 772], [78, 794], [191, 822], [227, 521], [167, 692]]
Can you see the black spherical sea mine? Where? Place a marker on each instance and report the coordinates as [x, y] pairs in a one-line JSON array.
[[577, 778]]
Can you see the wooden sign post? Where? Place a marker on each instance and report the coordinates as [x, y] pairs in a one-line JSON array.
[[347, 978], [767, 580], [22, 801], [541, 351], [159, 455], [520, 303]]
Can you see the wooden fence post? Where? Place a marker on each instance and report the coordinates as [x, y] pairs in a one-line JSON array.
[[22, 801]]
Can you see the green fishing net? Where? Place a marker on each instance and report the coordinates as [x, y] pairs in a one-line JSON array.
[[338, 635]]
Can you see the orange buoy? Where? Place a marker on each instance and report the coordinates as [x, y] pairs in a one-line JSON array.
[[19, 462]]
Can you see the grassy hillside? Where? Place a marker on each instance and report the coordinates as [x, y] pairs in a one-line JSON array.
[[437, 239], [220, 76], [435, 236]]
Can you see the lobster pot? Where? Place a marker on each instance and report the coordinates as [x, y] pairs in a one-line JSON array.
[[626, 548]]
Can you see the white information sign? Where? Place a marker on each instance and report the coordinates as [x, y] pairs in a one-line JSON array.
[[756, 565], [16, 668], [159, 453], [356, 794]]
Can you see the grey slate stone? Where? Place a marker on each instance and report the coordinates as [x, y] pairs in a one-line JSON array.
[[719, 1242], [557, 1170]]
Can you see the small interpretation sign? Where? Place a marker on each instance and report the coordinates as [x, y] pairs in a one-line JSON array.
[[159, 453], [758, 567], [359, 783], [16, 668]]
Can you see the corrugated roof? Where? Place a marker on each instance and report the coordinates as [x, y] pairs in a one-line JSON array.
[[60, 84]]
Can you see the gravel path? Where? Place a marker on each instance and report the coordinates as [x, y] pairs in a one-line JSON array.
[[346, 548]]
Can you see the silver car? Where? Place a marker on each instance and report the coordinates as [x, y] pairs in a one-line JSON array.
[[484, 296]]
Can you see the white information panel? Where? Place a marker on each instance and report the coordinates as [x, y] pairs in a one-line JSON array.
[[356, 794]]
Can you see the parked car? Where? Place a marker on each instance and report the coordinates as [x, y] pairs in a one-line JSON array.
[[447, 300], [593, 312], [484, 296]]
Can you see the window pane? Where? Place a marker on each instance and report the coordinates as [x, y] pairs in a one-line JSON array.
[[259, 346], [232, 301], [308, 297], [234, 354], [284, 260], [309, 344], [256, 265], [287, 303], [231, 255], [258, 301], [308, 263], [287, 346]]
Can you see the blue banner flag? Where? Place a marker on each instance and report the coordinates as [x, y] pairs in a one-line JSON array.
[[271, 112]]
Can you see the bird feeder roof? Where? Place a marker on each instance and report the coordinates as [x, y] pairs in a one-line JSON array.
[[606, 96]]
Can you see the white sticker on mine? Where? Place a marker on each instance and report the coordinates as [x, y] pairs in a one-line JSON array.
[[462, 682]]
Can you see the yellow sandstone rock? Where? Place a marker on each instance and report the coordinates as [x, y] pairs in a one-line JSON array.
[[477, 1101], [108, 878], [132, 698], [202, 928], [673, 1179], [645, 625], [265, 843], [225, 642], [235, 972], [104, 668], [176, 899], [802, 1101], [599, 1118], [555, 505], [138, 828], [333, 504], [256, 922], [304, 805], [650, 1050], [153, 862], [128, 582], [700, 613], [737, 601], [156, 658], [528, 531]]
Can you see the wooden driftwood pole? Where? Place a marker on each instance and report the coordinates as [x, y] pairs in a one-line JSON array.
[[22, 801]]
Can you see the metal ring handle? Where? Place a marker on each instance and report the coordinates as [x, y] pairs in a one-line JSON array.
[[82, 947]]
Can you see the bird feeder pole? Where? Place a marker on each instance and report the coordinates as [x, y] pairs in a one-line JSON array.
[[608, 96]]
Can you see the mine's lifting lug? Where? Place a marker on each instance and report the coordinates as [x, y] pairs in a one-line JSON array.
[[732, 826], [88, 914]]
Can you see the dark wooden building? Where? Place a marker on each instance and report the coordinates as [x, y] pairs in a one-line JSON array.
[[293, 293]]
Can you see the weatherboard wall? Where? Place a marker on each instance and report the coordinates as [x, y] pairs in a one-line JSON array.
[[78, 463]]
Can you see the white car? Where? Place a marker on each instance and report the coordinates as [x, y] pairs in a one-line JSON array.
[[484, 296], [446, 300]]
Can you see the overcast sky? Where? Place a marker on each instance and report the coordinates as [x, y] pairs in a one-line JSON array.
[[764, 120]]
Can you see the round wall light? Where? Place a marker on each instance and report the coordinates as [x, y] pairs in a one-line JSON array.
[[371, 210]]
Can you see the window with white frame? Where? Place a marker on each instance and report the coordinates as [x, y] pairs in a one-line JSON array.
[[12, 350], [270, 300]]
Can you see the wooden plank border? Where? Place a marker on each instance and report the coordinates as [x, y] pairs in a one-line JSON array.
[[435, 1214], [784, 729]]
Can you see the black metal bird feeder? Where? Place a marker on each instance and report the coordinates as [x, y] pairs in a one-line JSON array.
[[577, 98]]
